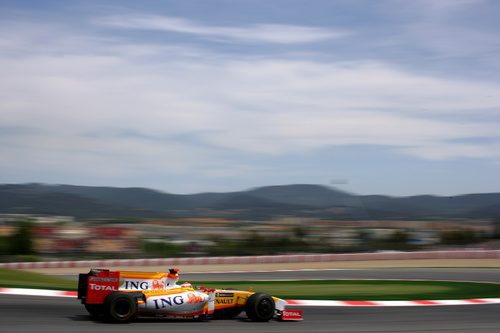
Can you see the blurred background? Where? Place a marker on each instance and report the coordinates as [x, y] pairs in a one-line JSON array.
[[51, 222]]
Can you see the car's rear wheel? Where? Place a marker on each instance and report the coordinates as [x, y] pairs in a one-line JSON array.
[[120, 307], [260, 307]]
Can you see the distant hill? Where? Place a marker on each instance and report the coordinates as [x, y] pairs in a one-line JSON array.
[[40, 199], [467, 206], [258, 203], [305, 195]]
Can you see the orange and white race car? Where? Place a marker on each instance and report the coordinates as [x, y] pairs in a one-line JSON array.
[[121, 296]]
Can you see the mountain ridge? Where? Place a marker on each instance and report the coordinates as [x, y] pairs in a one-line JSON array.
[[308, 200]]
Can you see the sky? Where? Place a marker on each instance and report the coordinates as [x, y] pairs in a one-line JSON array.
[[373, 97]]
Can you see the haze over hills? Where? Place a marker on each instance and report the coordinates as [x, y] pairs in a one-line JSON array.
[[259, 203]]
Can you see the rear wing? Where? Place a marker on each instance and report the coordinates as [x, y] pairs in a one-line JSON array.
[[94, 286]]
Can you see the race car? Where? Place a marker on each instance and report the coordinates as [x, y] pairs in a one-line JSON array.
[[121, 296]]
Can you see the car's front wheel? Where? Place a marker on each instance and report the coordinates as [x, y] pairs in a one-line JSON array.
[[260, 307]]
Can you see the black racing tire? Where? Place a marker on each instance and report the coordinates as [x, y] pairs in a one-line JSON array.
[[120, 307], [95, 310], [260, 307]]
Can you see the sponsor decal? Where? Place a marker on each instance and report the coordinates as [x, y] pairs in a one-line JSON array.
[[194, 298], [99, 287], [138, 285], [291, 315], [225, 294], [143, 284], [168, 301], [102, 279], [157, 284], [224, 301]]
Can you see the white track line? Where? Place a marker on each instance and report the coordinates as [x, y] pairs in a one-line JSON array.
[[321, 303], [37, 292]]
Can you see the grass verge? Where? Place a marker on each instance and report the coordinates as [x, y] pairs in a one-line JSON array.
[[21, 279], [304, 289]]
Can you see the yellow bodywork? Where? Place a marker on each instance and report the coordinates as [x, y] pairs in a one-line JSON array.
[[143, 275], [239, 298], [230, 298]]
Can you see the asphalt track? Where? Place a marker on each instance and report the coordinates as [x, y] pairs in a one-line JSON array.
[[47, 314]]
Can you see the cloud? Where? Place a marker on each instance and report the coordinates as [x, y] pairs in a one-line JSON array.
[[445, 151], [450, 29], [263, 33], [251, 106], [101, 107]]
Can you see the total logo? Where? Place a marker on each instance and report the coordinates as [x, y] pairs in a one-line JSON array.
[[294, 313], [101, 287], [291, 315]]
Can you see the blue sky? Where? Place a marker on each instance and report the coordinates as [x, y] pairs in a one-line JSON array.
[[393, 97]]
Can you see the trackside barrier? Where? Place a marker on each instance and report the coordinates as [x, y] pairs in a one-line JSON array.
[[295, 258]]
